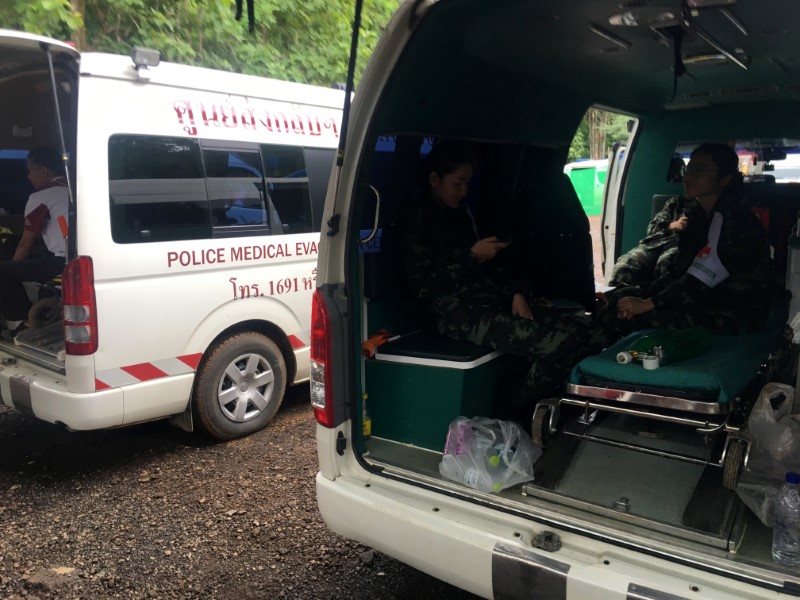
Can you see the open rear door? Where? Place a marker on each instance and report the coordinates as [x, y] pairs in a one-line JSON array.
[[38, 93], [612, 207]]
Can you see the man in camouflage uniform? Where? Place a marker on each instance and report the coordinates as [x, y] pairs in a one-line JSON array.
[[472, 297], [727, 285], [658, 253]]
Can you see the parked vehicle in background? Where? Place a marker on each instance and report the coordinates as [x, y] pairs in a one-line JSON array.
[[588, 177], [196, 202], [637, 493]]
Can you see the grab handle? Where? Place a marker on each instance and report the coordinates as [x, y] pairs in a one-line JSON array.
[[374, 231]]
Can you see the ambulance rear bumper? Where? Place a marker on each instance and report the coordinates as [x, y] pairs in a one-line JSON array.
[[43, 394]]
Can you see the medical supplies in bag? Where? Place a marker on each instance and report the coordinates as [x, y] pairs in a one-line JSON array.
[[489, 455]]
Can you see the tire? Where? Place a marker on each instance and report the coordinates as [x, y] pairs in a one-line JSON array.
[[239, 386], [734, 462], [45, 311], [540, 429]]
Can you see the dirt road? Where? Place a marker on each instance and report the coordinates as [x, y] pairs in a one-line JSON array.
[[152, 512]]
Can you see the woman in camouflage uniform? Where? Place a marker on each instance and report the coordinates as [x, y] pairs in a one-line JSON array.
[[454, 272], [656, 254], [726, 285]]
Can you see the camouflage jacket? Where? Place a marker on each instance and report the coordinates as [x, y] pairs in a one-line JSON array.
[[743, 249], [439, 262], [673, 209]]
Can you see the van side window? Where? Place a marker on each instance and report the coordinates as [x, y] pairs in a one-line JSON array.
[[235, 185], [287, 187], [319, 164], [164, 188], [157, 189]]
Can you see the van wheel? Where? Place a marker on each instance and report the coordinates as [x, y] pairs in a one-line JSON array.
[[239, 386]]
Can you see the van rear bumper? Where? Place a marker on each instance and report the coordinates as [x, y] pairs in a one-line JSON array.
[[489, 553], [44, 394]]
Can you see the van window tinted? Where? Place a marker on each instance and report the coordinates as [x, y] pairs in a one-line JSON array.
[[236, 190], [157, 189], [319, 163], [14, 185], [164, 188], [287, 187]]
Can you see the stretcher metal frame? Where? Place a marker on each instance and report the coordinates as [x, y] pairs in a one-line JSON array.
[[707, 418]]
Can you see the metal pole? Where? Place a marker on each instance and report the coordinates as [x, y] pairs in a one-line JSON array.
[[62, 144]]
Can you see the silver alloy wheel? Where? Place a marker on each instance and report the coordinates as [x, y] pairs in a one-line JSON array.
[[239, 385], [246, 387]]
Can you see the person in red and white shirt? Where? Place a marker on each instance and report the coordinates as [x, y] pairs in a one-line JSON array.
[[33, 261]]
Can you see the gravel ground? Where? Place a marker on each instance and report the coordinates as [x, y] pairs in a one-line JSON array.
[[153, 512]]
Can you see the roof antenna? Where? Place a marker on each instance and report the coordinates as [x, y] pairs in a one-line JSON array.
[[251, 14]]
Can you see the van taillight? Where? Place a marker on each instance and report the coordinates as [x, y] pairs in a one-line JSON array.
[[320, 353], [80, 308]]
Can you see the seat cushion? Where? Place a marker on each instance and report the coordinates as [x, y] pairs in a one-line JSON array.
[[428, 347]]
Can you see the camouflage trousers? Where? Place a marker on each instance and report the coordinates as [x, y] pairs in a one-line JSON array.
[[721, 320], [654, 256], [553, 342]]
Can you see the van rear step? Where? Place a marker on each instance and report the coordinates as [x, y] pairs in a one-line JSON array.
[[43, 346]]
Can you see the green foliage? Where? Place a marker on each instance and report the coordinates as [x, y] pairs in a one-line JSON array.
[[307, 41], [53, 18], [580, 143], [617, 129], [613, 126]]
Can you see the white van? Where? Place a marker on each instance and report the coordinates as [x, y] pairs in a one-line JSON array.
[[196, 202], [646, 488]]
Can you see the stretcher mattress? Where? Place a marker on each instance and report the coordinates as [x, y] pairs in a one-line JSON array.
[[719, 375]]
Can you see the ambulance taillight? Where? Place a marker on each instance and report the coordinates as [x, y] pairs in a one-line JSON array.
[[320, 354], [80, 308]]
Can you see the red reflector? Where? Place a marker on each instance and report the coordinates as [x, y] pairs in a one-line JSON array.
[[321, 395], [80, 307]]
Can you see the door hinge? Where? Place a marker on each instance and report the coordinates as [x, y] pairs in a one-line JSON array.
[[333, 225], [341, 443]]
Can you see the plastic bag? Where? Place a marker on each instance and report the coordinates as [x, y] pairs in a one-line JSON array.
[[795, 325], [758, 493], [774, 432], [489, 455]]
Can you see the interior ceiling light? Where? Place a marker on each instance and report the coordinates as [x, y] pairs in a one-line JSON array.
[[675, 22], [705, 58], [711, 41], [709, 3], [646, 17]]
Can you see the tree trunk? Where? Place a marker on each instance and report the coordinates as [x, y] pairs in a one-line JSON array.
[[598, 121], [79, 37]]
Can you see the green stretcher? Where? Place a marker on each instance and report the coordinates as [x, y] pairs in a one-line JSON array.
[[716, 376], [713, 392]]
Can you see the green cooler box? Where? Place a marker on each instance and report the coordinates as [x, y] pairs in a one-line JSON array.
[[418, 384]]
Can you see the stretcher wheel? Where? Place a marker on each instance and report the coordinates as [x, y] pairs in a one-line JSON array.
[[540, 428], [734, 463], [45, 311]]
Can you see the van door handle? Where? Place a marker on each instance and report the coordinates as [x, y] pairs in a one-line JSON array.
[[374, 231]]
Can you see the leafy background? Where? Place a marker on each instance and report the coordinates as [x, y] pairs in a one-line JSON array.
[[306, 41]]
